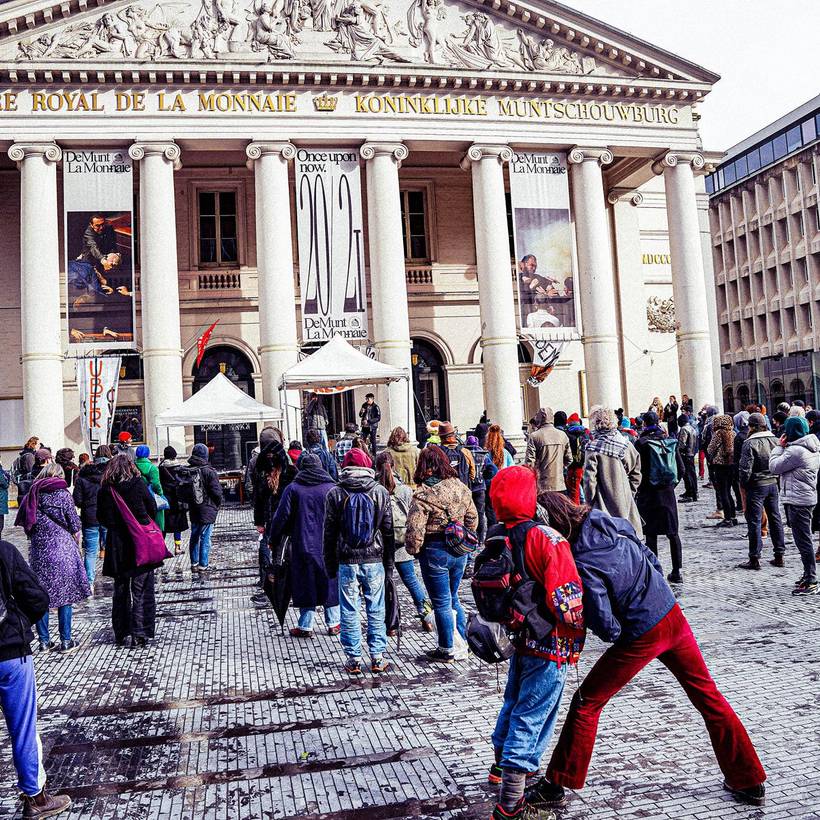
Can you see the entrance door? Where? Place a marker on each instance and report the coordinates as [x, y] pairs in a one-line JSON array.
[[428, 385], [226, 442]]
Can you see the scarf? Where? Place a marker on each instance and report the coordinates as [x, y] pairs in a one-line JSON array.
[[27, 514], [431, 480], [609, 443]]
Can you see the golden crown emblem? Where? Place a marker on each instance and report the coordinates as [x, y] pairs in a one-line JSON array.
[[325, 103]]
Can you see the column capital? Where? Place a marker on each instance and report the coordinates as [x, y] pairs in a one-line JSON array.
[[672, 158], [165, 148], [50, 152], [580, 153], [630, 195], [397, 151], [256, 150], [477, 152]]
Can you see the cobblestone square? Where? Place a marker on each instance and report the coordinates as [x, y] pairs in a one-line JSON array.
[[225, 717]]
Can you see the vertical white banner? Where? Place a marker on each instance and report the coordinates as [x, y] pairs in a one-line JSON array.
[[98, 381], [98, 200], [539, 194], [331, 244]]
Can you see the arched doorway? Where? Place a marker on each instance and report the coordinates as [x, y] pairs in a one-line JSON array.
[[429, 385], [226, 442]]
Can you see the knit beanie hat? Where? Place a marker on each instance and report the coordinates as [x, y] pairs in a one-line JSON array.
[[795, 427], [472, 441], [124, 436], [356, 457], [559, 418], [741, 420], [650, 419], [200, 451], [574, 419], [757, 420], [143, 451], [169, 452]]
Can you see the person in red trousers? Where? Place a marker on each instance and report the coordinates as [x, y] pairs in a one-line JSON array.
[[627, 603]]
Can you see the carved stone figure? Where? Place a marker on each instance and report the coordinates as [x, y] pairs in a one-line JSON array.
[[322, 13], [109, 35], [660, 315], [146, 29], [359, 33], [269, 33], [480, 46], [423, 24], [544, 56]]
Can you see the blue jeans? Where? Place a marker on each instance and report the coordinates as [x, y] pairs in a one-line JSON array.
[[527, 717], [407, 573], [64, 614], [200, 544], [308, 614], [92, 538], [757, 499], [442, 573], [371, 579], [18, 702]]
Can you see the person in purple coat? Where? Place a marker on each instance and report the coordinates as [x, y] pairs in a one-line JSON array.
[[301, 515], [50, 520]]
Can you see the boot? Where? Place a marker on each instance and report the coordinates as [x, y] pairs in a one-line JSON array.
[[778, 560], [45, 805], [752, 563]]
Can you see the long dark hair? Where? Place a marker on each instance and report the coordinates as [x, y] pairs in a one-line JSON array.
[[398, 436], [564, 516], [433, 460], [119, 469], [384, 471]]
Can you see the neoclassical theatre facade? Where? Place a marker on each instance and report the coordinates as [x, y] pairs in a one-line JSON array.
[[215, 111]]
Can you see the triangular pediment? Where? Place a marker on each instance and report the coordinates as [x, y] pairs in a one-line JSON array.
[[538, 38]]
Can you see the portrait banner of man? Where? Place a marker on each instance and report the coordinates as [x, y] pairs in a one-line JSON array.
[[542, 232], [98, 201]]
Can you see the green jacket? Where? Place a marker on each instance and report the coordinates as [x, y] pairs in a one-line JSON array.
[[150, 472]]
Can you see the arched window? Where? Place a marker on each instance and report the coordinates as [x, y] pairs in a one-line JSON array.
[[797, 391], [729, 399], [744, 397], [429, 385], [777, 391]]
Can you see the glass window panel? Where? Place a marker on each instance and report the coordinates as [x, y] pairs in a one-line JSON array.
[[207, 250], [766, 154], [780, 149], [418, 247], [817, 123], [753, 158], [710, 184], [729, 173], [416, 201], [227, 226], [228, 249], [207, 227], [809, 128], [207, 203], [227, 202], [720, 180], [417, 224], [793, 140], [741, 167]]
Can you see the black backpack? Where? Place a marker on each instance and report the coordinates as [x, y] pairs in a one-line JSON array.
[[190, 488], [479, 457], [458, 461], [503, 591]]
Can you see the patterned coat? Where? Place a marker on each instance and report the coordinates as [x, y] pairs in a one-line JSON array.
[[54, 555]]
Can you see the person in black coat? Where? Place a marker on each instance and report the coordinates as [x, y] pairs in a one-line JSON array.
[[203, 516], [133, 607], [176, 516], [86, 488]]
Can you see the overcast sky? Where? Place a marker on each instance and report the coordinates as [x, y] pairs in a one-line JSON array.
[[767, 53]]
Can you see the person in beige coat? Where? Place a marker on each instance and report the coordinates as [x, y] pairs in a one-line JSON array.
[[612, 469], [405, 455], [548, 451]]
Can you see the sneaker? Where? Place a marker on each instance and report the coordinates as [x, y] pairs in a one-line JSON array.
[[45, 804], [353, 666], [752, 563], [544, 793], [496, 773], [379, 665], [126, 641], [800, 580], [777, 561], [521, 812], [728, 522], [708, 486], [204, 568], [138, 643], [194, 567], [461, 655], [806, 588], [46, 647], [66, 648], [717, 515], [260, 599], [675, 577], [754, 795], [334, 630], [439, 655], [297, 632]]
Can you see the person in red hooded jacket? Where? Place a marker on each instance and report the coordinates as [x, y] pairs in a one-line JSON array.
[[538, 669]]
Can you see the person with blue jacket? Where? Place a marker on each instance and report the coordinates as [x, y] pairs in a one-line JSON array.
[[627, 603]]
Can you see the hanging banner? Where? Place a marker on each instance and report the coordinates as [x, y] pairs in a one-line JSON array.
[[98, 200], [331, 246], [539, 194], [97, 380], [545, 355]]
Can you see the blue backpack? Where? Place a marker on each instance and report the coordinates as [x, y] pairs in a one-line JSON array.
[[358, 520], [663, 468]]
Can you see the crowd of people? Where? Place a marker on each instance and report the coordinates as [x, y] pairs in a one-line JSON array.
[[577, 524]]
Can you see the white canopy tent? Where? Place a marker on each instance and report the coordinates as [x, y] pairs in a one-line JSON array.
[[219, 402], [337, 366]]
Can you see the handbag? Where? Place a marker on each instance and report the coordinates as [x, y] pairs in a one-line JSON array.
[[149, 541], [459, 539], [160, 500]]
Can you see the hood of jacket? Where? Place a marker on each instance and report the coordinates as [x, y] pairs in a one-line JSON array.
[[599, 532], [810, 442], [405, 447], [358, 479], [196, 461], [93, 472], [723, 423], [513, 495]]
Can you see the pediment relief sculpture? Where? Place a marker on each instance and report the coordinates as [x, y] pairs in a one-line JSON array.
[[660, 315], [432, 32]]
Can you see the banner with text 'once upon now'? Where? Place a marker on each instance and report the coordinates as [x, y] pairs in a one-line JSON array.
[[98, 199], [331, 244]]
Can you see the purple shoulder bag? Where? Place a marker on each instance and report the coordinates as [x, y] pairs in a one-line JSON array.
[[149, 541]]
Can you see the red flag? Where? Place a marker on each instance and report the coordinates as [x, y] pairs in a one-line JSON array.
[[202, 341]]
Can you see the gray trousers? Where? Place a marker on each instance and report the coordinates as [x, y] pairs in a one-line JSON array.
[[799, 518]]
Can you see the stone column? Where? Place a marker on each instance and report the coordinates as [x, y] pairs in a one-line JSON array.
[[596, 281], [388, 285], [636, 377], [42, 349], [278, 341], [688, 277], [499, 336], [159, 286]]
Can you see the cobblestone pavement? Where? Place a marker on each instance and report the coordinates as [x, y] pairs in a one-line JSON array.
[[224, 717]]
